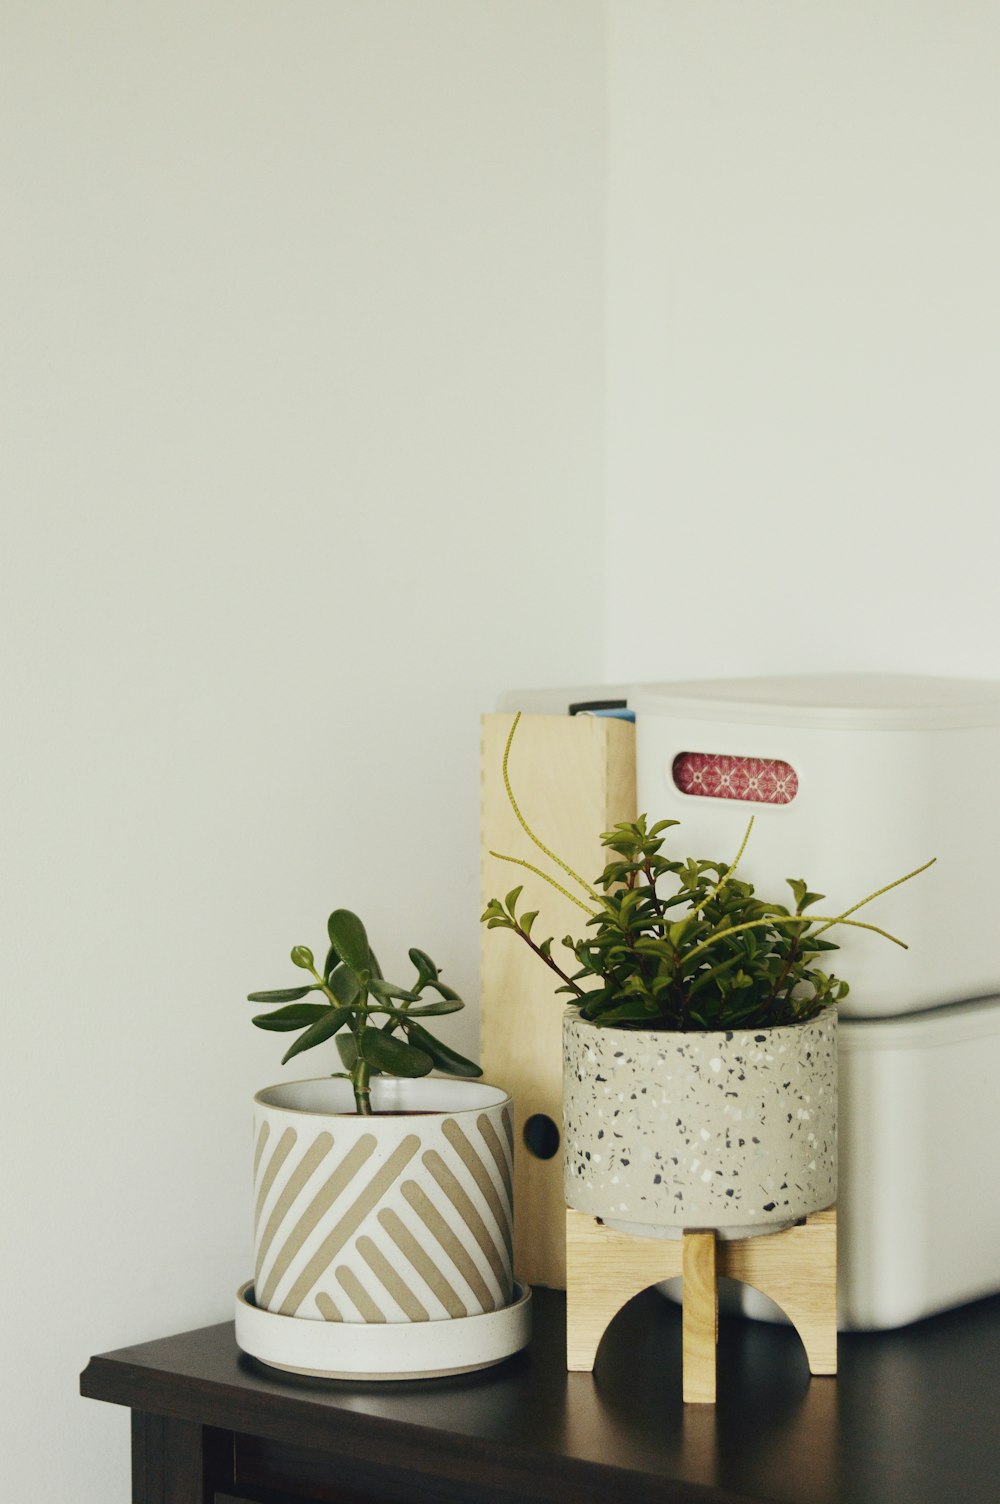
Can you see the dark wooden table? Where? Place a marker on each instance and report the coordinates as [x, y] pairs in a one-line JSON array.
[[914, 1418]]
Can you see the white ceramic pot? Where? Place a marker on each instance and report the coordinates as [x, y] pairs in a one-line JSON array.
[[404, 1216], [734, 1130]]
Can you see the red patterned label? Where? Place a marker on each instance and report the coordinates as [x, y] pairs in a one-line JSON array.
[[755, 780]]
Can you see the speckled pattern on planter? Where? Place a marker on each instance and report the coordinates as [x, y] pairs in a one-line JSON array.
[[731, 1130]]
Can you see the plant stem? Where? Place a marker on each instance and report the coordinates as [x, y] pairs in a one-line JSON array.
[[360, 1074], [697, 907], [654, 897], [325, 989], [518, 861], [548, 960], [527, 828], [793, 952], [361, 1070], [877, 894], [823, 919]]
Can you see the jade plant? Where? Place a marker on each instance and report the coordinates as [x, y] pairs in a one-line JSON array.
[[682, 945], [376, 1022]]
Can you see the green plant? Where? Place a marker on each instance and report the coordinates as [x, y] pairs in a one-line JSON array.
[[356, 994], [709, 954]]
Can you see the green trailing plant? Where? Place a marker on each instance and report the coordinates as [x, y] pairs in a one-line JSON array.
[[682, 945], [377, 1024]]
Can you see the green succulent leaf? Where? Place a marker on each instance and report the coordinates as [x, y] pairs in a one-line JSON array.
[[295, 1016], [426, 969], [344, 984], [443, 1057], [323, 1029], [394, 1056], [447, 992], [434, 1009], [347, 1049], [350, 941], [281, 994], [386, 991]]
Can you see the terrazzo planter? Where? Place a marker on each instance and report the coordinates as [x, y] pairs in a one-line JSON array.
[[403, 1217], [735, 1130]]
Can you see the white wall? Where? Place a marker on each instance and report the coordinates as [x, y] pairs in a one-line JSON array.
[[303, 462], [302, 466], [803, 337]]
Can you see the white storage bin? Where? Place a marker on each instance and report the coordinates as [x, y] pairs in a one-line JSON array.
[[878, 774], [918, 1215], [919, 1207]]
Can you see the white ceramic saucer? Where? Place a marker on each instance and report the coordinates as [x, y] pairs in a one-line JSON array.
[[383, 1350]]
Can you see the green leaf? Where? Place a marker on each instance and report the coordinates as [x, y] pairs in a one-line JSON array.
[[511, 900], [323, 1029], [444, 1058], [632, 1011], [281, 995], [434, 1009], [624, 845], [425, 966], [394, 1056], [705, 977], [343, 983], [302, 956], [388, 990], [799, 889], [349, 940], [295, 1016], [347, 1049], [527, 920]]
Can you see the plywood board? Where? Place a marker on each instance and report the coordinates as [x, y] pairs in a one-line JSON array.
[[573, 777]]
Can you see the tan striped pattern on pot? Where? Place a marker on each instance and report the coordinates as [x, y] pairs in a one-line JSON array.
[[347, 1232]]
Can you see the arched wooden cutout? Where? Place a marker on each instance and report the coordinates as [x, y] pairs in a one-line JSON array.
[[796, 1268]]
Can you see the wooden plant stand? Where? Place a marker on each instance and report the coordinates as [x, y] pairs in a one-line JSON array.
[[796, 1268]]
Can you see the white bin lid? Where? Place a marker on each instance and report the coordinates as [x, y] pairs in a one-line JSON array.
[[932, 1029], [862, 701]]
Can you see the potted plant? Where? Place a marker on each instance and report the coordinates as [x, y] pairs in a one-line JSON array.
[[383, 1218], [700, 1047]]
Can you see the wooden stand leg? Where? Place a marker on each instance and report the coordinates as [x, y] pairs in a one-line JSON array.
[[604, 1269], [797, 1268], [700, 1317]]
